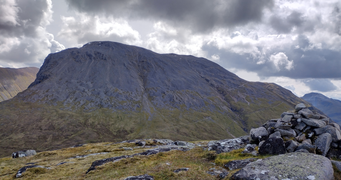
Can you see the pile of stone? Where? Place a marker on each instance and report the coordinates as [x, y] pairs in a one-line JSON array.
[[301, 130]]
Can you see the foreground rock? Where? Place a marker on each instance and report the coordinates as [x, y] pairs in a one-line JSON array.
[[295, 165]]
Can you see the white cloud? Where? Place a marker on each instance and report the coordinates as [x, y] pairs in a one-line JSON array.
[[281, 60]]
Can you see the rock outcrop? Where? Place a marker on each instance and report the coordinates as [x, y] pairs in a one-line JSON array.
[[19, 154], [297, 130], [295, 165]]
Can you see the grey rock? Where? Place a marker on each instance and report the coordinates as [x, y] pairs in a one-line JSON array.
[[300, 126], [302, 150], [334, 145], [140, 177], [276, 134], [301, 138], [181, 169], [307, 141], [310, 148], [292, 145], [334, 153], [163, 141], [288, 166], [314, 122], [287, 133], [272, 146], [228, 145], [19, 154], [287, 118], [306, 113], [337, 164], [299, 120], [329, 129], [237, 164], [219, 173], [336, 126], [249, 148], [258, 134], [23, 169], [322, 143], [260, 143], [300, 106]]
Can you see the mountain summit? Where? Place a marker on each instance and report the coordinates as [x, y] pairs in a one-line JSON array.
[[106, 90]]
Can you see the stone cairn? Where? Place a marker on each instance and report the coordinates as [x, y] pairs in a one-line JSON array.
[[298, 131]]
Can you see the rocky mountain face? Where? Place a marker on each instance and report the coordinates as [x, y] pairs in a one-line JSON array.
[[13, 81], [107, 91], [331, 107]]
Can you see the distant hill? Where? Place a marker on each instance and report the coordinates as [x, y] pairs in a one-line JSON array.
[[107, 91], [13, 81], [330, 107]]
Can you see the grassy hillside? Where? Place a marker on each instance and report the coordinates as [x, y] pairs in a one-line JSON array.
[[13, 81]]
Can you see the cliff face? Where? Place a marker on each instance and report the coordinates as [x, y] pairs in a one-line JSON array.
[[13, 81], [105, 90], [331, 107]]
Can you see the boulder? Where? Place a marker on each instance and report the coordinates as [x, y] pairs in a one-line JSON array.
[[19, 154], [272, 146], [337, 164], [322, 143], [140, 143], [237, 164], [275, 134], [336, 136], [300, 106], [258, 134], [291, 146], [310, 148], [287, 118], [250, 148], [288, 166], [140, 177], [300, 126], [306, 113], [314, 122], [287, 133]]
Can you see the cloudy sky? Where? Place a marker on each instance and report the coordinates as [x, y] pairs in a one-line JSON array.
[[294, 43]]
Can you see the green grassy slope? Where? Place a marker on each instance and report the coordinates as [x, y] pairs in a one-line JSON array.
[[13, 81]]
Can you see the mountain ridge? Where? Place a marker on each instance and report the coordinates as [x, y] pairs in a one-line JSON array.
[[13, 81], [106, 90], [331, 107]]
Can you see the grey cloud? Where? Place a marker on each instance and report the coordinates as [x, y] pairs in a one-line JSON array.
[[322, 85], [29, 15], [294, 20], [23, 38], [307, 63], [198, 15], [337, 18]]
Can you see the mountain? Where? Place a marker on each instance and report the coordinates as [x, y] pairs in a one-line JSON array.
[[13, 81], [107, 91], [331, 107]]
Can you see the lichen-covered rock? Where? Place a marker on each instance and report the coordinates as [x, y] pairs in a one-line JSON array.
[[258, 134], [322, 143], [237, 164], [288, 166], [272, 146]]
